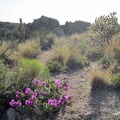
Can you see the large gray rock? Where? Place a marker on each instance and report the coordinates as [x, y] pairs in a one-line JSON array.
[[116, 115], [11, 114], [59, 32]]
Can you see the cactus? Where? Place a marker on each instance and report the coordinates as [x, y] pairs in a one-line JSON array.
[[105, 27], [21, 29]]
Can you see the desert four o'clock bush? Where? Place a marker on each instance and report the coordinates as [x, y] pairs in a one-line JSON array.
[[47, 96]]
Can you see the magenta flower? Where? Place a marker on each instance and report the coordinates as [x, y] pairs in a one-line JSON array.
[[65, 97], [19, 104], [12, 103], [35, 93], [36, 82], [28, 90], [7, 96], [31, 103], [59, 102], [67, 84], [33, 97], [59, 86], [66, 88], [17, 92], [44, 93], [27, 102], [43, 84], [50, 102], [17, 96], [58, 82]]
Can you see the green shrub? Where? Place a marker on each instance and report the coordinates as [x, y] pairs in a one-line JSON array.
[[94, 55], [5, 83], [116, 80], [54, 66], [4, 78], [105, 61], [59, 59], [72, 62], [28, 70], [47, 42], [82, 62]]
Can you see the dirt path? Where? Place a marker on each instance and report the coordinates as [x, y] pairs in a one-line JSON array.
[[102, 102], [45, 56]]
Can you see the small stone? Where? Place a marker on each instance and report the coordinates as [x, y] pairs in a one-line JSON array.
[[11, 114], [88, 116]]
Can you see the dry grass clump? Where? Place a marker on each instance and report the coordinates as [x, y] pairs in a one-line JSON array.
[[4, 47], [99, 78], [29, 49], [8, 54], [68, 50], [111, 53]]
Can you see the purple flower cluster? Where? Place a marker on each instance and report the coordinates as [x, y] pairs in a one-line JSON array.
[[17, 94], [30, 96], [44, 93], [36, 82], [30, 102], [13, 103], [27, 91], [56, 103], [52, 102], [66, 86], [58, 83]]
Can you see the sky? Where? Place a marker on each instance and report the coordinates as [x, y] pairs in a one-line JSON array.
[[62, 10]]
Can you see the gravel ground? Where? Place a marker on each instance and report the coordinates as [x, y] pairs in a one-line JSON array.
[[102, 102]]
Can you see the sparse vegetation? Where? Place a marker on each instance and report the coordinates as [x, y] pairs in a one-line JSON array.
[[29, 49], [100, 45], [98, 79], [54, 66]]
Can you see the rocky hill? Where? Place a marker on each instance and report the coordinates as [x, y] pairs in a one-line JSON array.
[[44, 24]]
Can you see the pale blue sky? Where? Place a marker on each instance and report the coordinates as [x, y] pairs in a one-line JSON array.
[[62, 10]]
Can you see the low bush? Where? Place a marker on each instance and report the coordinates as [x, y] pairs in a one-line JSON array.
[[105, 61], [5, 84], [99, 78], [94, 55], [82, 62], [29, 49], [116, 80], [27, 70], [47, 42], [54, 66], [72, 62]]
